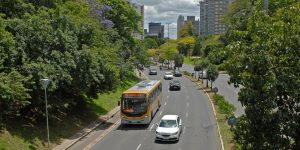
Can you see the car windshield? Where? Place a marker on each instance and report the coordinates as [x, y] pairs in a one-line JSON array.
[[168, 73], [153, 70], [168, 123], [175, 82]]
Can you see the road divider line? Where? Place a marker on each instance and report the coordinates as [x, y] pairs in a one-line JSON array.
[[184, 128], [138, 147], [165, 103], [151, 127], [186, 114], [187, 104], [160, 113], [168, 96]]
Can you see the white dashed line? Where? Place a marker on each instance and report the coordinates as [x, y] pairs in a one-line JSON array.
[[160, 113], [168, 96], [184, 129], [187, 104], [165, 103], [186, 114], [138, 147], [151, 127]]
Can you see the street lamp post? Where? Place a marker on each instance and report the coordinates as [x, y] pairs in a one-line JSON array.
[[266, 5], [45, 83]]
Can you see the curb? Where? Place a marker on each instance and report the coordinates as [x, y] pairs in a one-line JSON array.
[[88, 130], [214, 110]]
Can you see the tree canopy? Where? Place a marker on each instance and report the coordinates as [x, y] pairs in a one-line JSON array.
[[264, 59]]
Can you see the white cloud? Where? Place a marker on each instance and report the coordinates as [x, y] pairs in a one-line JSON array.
[[167, 11]]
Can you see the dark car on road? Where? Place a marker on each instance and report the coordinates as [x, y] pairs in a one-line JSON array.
[[152, 72], [177, 73], [175, 85]]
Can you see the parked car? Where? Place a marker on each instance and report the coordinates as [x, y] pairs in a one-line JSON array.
[[203, 75], [177, 73], [174, 85], [152, 72], [169, 128], [168, 76]]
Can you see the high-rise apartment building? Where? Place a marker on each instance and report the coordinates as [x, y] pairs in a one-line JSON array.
[[181, 22], [156, 29], [211, 14]]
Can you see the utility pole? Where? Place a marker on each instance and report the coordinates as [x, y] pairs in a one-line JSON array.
[[168, 23], [266, 5]]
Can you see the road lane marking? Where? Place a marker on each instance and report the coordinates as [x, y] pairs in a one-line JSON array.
[[165, 103], [187, 97], [160, 113], [187, 104], [184, 130], [138, 147], [179, 148], [186, 114], [102, 135], [168, 96], [151, 127]]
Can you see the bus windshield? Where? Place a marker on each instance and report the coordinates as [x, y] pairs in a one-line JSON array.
[[134, 106]]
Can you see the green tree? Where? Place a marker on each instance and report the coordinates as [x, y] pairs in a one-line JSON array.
[[168, 50], [178, 60], [212, 74], [151, 43], [203, 64], [265, 61], [187, 29], [186, 45]]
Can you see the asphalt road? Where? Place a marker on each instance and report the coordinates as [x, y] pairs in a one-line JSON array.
[[228, 91], [191, 104]]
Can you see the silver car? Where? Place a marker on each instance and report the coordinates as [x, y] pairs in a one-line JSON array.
[[203, 75], [169, 128], [168, 76]]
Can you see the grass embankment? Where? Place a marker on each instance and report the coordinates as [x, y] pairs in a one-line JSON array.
[[18, 135], [223, 111], [191, 60]]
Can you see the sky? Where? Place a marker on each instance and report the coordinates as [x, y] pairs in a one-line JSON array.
[[167, 11]]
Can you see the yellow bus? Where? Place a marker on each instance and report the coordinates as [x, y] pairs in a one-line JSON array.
[[140, 103]]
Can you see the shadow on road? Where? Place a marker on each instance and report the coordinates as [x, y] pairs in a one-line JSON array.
[[165, 142], [133, 127]]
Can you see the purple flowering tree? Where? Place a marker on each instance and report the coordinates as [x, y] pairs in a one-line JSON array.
[[99, 11]]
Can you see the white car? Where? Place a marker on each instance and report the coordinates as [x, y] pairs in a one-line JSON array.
[[169, 128], [168, 76]]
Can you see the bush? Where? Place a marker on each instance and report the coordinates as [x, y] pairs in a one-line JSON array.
[[187, 73], [224, 106]]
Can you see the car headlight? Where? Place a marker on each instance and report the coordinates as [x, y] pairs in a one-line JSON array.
[[175, 133]]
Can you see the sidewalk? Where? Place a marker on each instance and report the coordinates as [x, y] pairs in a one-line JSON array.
[[67, 143]]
